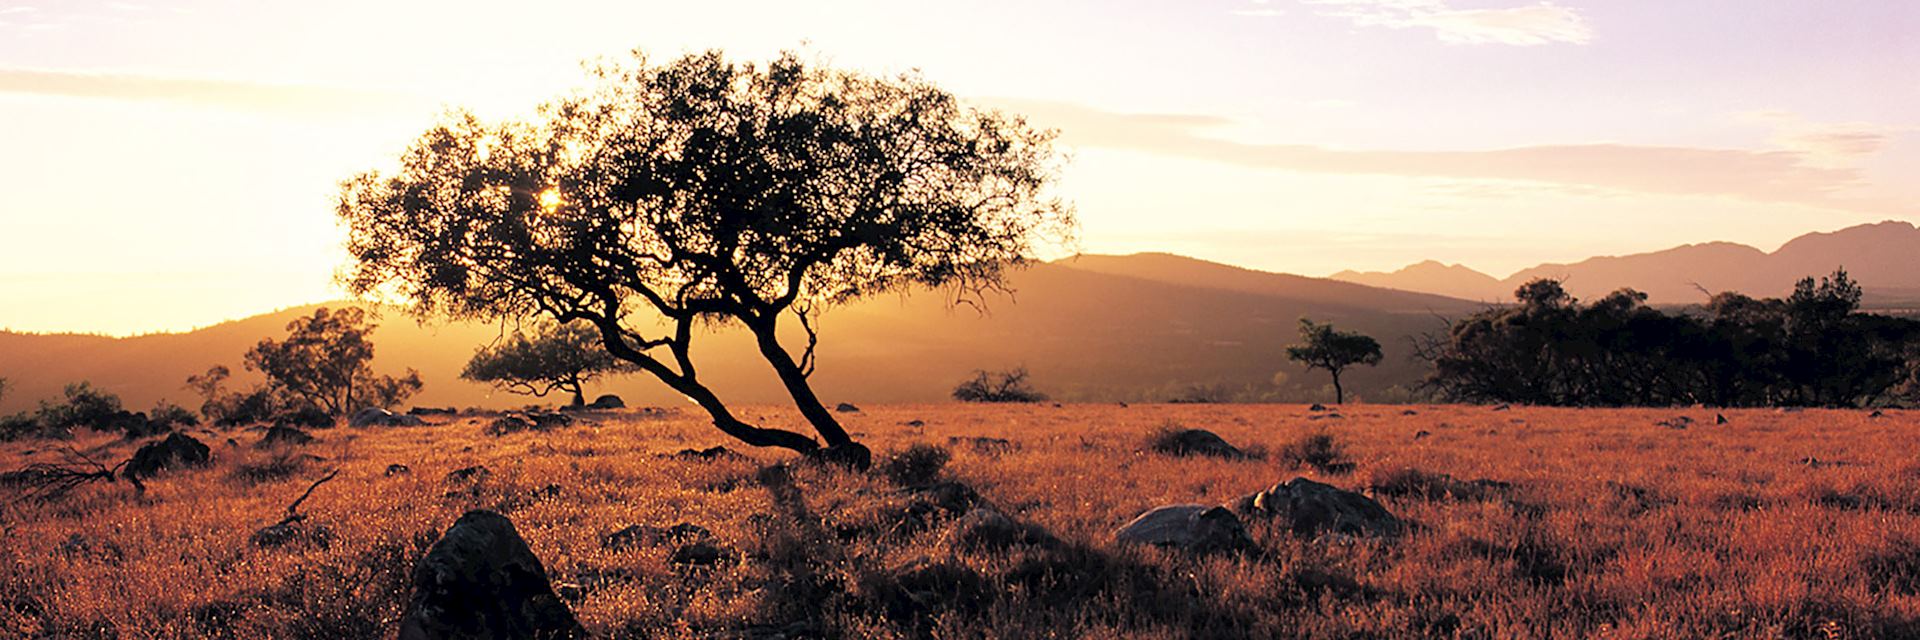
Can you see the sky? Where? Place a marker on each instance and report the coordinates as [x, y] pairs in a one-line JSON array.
[[166, 165]]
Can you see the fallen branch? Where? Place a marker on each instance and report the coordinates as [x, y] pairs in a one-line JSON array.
[[48, 480], [293, 510]]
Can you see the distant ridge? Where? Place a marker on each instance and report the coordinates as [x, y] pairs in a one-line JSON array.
[[1884, 257]]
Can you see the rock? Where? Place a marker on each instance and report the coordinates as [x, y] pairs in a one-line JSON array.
[[1421, 434], [608, 401], [481, 582], [699, 555], [642, 535], [846, 407], [1719, 419], [709, 453], [1188, 527], [985, 528], [378, 417], [279, 436], [232, 442], [509, 423], [1311, 508], [1196, 442], [176, 451], [916, 423], [1876, 414], [851, 455], [1409, 412], [431, 411], [1317, 407], [1502, 407], [474, 473], [398, 470]]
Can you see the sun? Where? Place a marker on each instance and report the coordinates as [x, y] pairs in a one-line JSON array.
[[550, 199]]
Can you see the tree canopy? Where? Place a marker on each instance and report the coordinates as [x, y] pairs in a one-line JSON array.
[[325, 362], [551, 357], [1322, 347], [705, 190]]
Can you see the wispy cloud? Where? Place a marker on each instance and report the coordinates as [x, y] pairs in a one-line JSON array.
[[1827, 144], [229, 94], [1526, 25], [1785, 175]]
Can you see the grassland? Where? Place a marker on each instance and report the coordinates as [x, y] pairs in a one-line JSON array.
[[1793, 525]]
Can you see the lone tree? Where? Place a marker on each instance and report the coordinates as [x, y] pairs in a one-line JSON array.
[[708, 191], [556, 357], [1321, 347], [325, 362], [1006, 386]]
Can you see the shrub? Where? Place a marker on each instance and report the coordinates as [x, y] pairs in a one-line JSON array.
[[167, 416], [1004, 386], [916, 465], [1319, 451]]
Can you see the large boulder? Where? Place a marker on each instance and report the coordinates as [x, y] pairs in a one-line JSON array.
[[1195, 442], [481, 582], [1311, 508], [608, 401], [1188, 527], [176, 451], [378, 417]]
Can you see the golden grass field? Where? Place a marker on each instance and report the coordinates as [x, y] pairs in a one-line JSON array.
[[1788, 525]]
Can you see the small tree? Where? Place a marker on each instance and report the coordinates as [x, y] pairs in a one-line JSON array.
[[1005, 386], [707, 191], [563, 357], [326, 362], [1321, 347]]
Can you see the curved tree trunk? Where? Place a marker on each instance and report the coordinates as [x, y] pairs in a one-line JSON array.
[[797, 386], [1339, 395], [690, 387]]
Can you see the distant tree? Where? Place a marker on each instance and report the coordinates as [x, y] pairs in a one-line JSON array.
[[326, 362], [708, 191], [1003, 386], [1322, 347], [563, 357]]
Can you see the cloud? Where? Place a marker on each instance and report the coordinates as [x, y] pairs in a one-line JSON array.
[[1791, 176], [248, 96], [1827, 144], [1528, 25]]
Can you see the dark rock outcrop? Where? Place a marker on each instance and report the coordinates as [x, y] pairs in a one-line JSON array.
[[1196, 442], [176, 451], [1188, 527], [480, 581], [377, 417], [1311, 508]]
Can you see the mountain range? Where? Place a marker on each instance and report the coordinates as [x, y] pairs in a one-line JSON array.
[[1884, 257]]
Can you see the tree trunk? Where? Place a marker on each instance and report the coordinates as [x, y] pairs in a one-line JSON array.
[[797, 386], [1339, 395], [701, 395], [579, 397]]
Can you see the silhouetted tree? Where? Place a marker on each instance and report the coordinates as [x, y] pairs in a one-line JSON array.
[[707, 191], [1322, 347], [326, 362], [1004, 386], [555, 357]]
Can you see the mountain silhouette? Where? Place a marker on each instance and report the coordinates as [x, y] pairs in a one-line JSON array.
[[1134, 328], [1880, 256]]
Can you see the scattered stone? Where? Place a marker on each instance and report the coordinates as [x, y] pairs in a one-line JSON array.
[[1317, 407], [847, 407], [1310, 508], [1421, 434], [1502, 407], [378, 417], [474, 473], [851, 455], [983, 444], [709, 453], [1876, 414], [1195, 442], [608, 401], [176, 451], [481, 582], [985, 528], [916, 423], [279, 436], [699, 555], [1409, 412], [1719, 419], [232, 442], [1188, 527], [509, 423], [432, 411], [398, 470]]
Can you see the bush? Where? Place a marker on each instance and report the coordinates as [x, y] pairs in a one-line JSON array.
[[1319, 451], [167, 416], [917, 465], [1005, 386], [85, 406]]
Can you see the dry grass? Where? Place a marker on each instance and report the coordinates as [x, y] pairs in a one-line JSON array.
[[1775, 525]]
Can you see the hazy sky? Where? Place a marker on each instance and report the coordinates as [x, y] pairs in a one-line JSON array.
[[165, 165]]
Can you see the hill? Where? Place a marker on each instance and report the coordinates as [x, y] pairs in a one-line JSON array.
[[1145, 327], [1880, 256]]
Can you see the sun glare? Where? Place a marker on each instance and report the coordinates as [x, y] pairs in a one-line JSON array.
[[550, 199]]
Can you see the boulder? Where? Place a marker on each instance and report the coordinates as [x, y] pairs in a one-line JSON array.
[[397, 469], [1311, 508], [608, 401], [846, 407], [1195, 442], [278, 436], [481, 582], [431, 411], [1317, 407], [176, 451], [377, 417], [1187, 527]]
